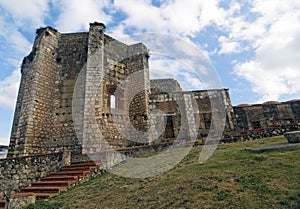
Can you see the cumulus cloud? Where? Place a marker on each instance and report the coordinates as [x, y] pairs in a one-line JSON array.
[[140, 14], [26, 12], [16, 17], [274, 71], [184, 18], [8, 90], [228, 46], [16, 43], [167, 67], [268, 29], [76, 14]]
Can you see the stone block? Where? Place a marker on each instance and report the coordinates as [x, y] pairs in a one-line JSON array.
[[293, 137]]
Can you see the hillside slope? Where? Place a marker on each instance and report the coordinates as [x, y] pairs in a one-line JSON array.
[[232, 178]]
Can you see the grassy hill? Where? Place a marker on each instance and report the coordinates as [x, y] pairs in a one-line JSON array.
[[232, 178]]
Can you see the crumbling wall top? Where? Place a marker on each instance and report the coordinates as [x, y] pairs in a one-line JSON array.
[[164, 85], [97, 24], [48, 28]]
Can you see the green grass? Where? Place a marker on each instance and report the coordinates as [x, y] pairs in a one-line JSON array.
[[231, 178]]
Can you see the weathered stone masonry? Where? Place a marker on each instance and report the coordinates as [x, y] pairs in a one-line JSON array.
[[193, 119], [19, 172], [87, 93], [78, 89], [43, 119], [96, 67], [35, 100], [270, 114]]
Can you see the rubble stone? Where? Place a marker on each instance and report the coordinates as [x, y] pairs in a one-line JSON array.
[[293, 137]]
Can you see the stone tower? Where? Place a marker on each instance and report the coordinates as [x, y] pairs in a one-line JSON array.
[[75, 92]]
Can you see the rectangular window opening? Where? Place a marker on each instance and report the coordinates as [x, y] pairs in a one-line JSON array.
[[112, 101]]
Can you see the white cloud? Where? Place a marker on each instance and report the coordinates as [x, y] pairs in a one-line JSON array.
[[141, 14], [166, 67], [18, 43], [19, 16], [118, 32], [26, 13], [177, 17], [274, 71], [8, 90], [15, 18], [76, 14], [228, 46]]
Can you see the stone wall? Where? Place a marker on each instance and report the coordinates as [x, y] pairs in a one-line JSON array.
[[20, 201], [43, 120], [65, 92], [164, 85], [91, 139], [267, 115], [188, 115], [166, 114], [246, 135], [18, 172], [109, 64], [33, 121], [71, 60], [214, 104], [137, 94]]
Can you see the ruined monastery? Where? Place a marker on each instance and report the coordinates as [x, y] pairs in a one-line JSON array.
[[74, 96]]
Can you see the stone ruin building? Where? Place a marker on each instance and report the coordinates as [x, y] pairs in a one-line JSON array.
[[44, 112], [47, 102], [86, 103], [268, 114]]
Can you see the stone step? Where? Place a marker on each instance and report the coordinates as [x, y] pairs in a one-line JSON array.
[[60, 178], [21, 194], [79, 164], [57, 181], [51, 190], [51, 183], [69, 173], [80, 168], [84, 162]]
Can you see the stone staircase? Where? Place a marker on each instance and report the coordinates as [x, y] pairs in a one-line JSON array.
[[56, 181]]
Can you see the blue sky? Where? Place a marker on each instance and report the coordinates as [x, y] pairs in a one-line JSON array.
[[253, 44]]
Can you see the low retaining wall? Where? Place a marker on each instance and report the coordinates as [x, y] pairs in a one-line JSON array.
[[18, 201], [257, 134], [19, 172]]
